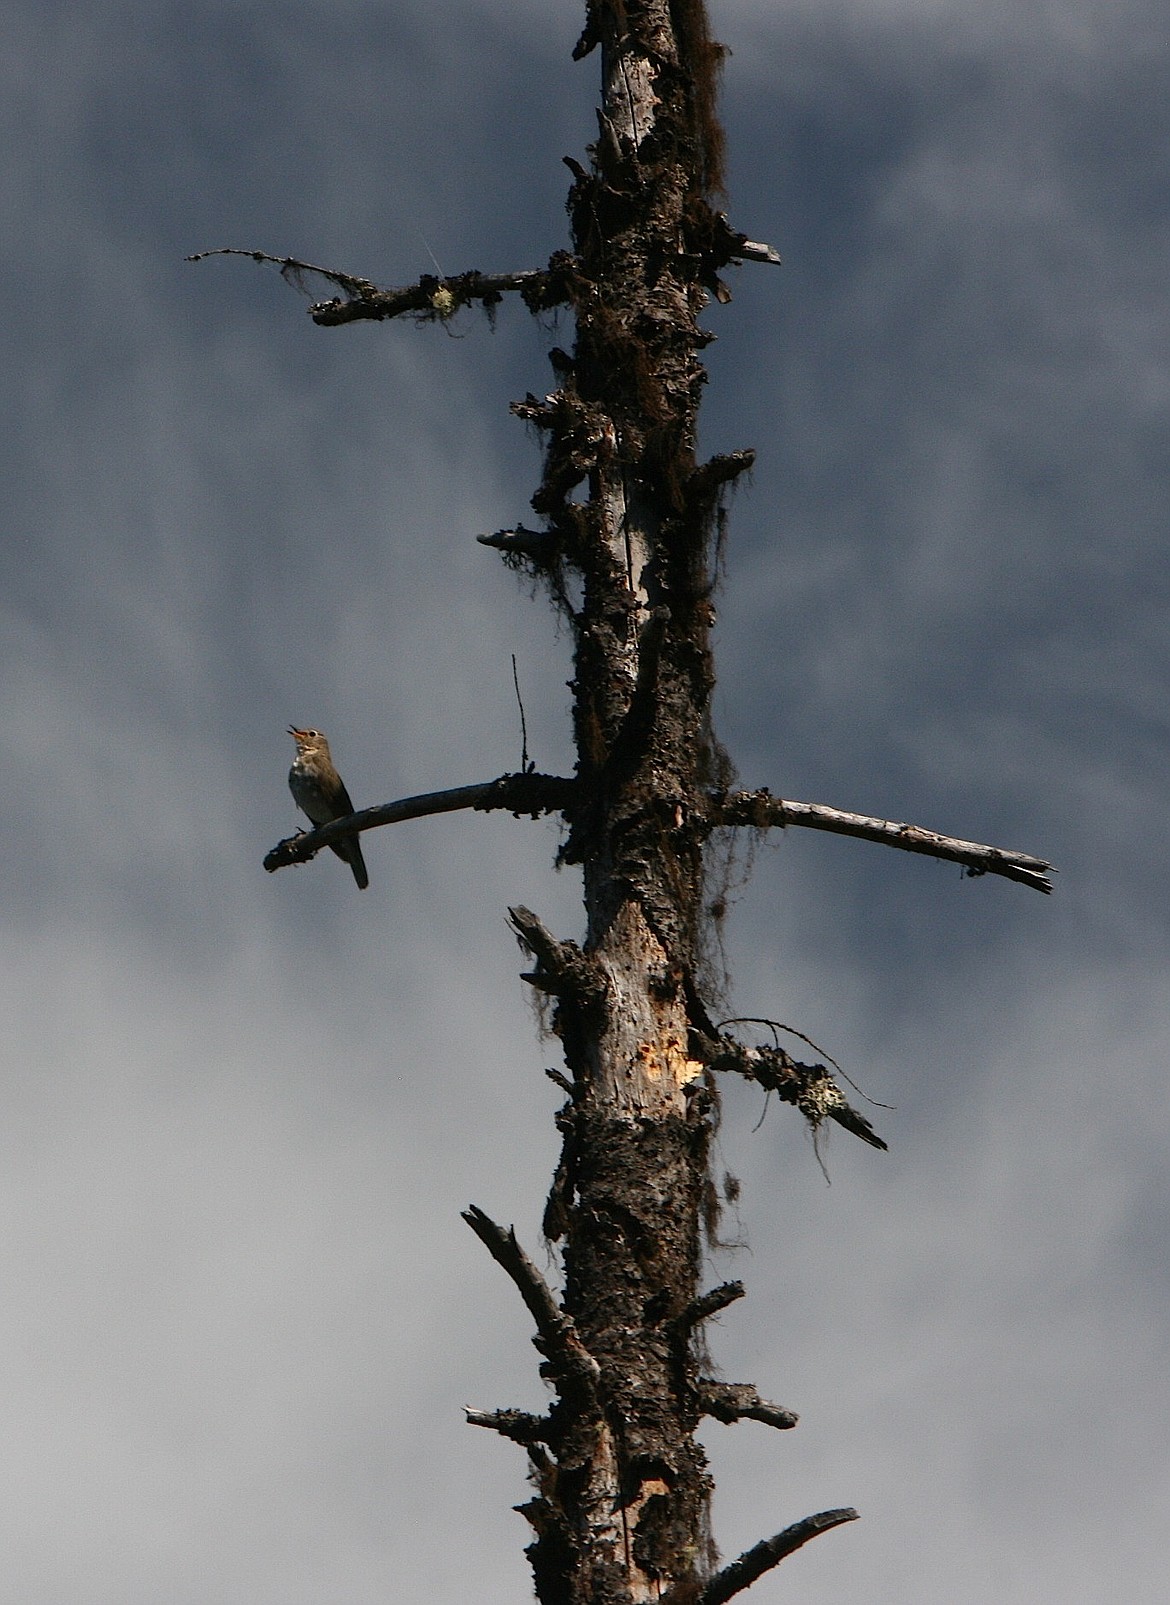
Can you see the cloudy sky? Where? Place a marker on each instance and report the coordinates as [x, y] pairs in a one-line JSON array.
[[241, 1113]]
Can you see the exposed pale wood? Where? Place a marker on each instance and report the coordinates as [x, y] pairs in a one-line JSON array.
[[753, 251]]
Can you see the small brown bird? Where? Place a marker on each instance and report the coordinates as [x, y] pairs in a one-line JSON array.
[[317, 788]]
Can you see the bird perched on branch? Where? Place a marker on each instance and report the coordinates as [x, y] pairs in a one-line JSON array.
[[318, 790]]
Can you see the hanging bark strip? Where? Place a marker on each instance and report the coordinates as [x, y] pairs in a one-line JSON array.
[[628, 520]]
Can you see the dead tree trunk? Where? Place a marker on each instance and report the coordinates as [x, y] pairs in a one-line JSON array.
[[622, 1506], [623, 1492], [628, 525]]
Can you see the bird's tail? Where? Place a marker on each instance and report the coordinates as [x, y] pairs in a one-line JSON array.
[[351, 850]]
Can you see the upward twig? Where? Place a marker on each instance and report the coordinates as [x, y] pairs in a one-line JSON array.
[[558, 1338]]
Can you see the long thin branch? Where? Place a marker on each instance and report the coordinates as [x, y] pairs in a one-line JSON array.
[[761, 809], [754, 1562], [430, 298], [549, 794], [293, 270], [519, 793]]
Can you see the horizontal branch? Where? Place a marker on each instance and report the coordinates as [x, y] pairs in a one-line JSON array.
[[574, 1366], [538, 545], [535, 794], [753, 1563], [760, 810], [430, 298], [518, 1425], [433, 297], [738, 1401], [528, 793]]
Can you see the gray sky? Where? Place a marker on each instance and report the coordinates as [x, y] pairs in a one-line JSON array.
[[241, 1113]]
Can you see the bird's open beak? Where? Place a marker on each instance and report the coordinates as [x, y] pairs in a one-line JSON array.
[[296, 734]]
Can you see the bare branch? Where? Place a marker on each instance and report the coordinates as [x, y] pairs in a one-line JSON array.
[[530, 794], [561, 967], [538, 545], [754, 1562], [574, 1366], [535, 794], [430, 298], [709, 1304], [709, 478], [760, 809], [293, 271], [518, 1425], [737, 1401]]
